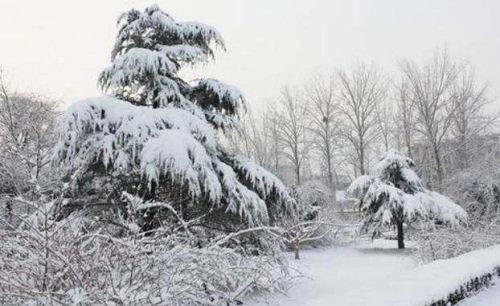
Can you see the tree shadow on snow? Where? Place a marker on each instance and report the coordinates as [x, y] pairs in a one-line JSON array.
[[386, 251]]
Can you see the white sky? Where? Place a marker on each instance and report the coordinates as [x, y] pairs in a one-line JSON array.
[[58, 47]]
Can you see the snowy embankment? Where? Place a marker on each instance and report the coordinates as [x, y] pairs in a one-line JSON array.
[[377, 274]]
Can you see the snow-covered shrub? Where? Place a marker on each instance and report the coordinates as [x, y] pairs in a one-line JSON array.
[[439, 242], [477, 189], [394, 195], [482, 203], [156, 135], [311, 197], [316, 220], [77, 261]]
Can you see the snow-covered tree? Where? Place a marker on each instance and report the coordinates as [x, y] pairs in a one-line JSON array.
[[394, 195], [156, 135]]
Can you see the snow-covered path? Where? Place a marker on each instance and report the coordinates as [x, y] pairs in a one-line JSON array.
[[378, 274], [345, 276]]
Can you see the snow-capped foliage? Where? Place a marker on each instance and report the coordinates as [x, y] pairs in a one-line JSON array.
[[173, 143], [360, 185], [224, 96], [115, 132], [395, 194], [179, 155], [221, 102], [266, 184], [395, 188], [169, 141], [150, 49], [154, 26]]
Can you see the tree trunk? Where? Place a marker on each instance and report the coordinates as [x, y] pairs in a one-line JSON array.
[[362, 159], [296, 249], [297, 173], [401, 236], [439, 166]]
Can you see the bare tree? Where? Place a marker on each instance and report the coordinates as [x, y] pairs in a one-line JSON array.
[[324, 117], [405, 116], [385, 122], [362, 89], [430, 88], [258, 137], [272, 133], [26, 124], [251, 139], [469, 119], [292, 118]]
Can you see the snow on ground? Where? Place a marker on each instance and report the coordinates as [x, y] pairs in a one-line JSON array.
[[378, 274], [344, 276], [488, 297]]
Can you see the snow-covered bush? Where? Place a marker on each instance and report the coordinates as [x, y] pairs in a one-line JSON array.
[[311, 197], [394, 195], [479, 192], [80, 261], [316, 220], [439, 242], [156, 135]]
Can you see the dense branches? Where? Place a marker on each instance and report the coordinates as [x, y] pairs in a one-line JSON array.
[[26, 138]]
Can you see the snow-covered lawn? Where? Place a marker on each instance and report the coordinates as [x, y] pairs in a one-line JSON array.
[[345, 275], [378, 274]]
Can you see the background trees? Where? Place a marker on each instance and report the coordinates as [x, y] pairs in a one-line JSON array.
[[362, 90], [469, 119], [26, 138], [324, 115], [430, 88], [293, 123]]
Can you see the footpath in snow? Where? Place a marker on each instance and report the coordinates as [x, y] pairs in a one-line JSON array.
[[378, 274]]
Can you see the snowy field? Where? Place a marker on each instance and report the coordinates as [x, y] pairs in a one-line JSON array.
[[378, 274]]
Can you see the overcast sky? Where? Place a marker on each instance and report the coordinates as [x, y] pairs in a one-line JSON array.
[[58, 47]]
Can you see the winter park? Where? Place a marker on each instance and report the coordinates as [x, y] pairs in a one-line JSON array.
[[296, 153]]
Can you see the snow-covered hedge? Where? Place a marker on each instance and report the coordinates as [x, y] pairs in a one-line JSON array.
[[460, 277], [445, 282]]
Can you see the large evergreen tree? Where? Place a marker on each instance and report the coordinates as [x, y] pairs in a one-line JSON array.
[[156, 135], [395, 195]]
